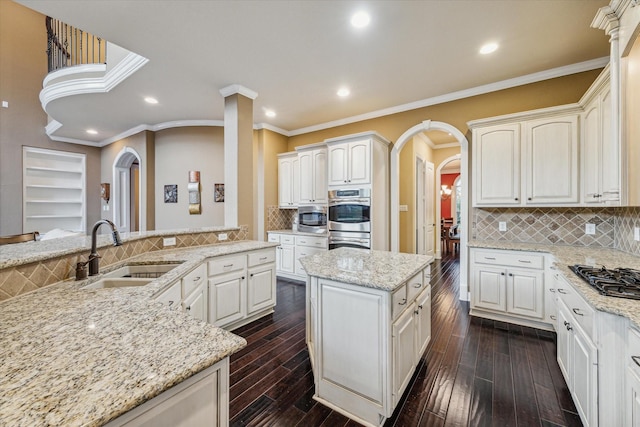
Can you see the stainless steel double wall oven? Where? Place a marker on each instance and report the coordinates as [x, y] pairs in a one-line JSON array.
[[350, 218]]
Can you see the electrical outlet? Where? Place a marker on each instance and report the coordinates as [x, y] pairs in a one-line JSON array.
[[502, 226], [222, 236], [636, 234], [168, 241], [590, 229], [5, 104]]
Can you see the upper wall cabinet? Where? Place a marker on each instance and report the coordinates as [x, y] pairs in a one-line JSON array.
[[528, 159], [288, 181], [601, 177], [313, 174], [353, 158]]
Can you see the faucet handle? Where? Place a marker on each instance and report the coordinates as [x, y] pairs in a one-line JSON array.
[[81, 270]]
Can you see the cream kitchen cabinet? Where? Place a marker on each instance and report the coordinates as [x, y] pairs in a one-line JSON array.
[[194, 293], [261, 284], [632, 389], [292, 248], [312, 161], [350, 163], [526, 159], [508, 286], [601, 167], [288, 180]]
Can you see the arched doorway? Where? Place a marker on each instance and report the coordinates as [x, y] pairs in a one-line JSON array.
[[428, 125], [439, 170], [128, 189]]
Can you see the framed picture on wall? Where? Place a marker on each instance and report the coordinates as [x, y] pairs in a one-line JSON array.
[[171, 193], [218, 192]]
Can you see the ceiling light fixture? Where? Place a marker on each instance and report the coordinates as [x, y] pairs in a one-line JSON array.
[[269, 113], [360, 19], [343, 92], [488, 48], [92, 131], [150, 100]]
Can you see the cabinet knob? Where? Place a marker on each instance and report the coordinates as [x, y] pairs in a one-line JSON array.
[[516, 199], [529, 198], [416, 312], [510, 274], [502, 274], [242, 278], [188, 308]]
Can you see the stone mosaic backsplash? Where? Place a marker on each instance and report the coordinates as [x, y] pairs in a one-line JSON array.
[[280, 219], [21, 279], [561, 226]]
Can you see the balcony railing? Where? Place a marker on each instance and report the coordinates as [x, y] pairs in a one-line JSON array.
[[68, 46]]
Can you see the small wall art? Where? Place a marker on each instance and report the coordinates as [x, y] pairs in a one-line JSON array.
[[218, 192], [194, 193], [171, 193]]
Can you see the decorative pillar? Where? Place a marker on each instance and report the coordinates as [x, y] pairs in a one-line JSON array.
[[238, 156]]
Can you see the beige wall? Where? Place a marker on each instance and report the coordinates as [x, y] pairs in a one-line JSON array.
[[271, 144], [23, 66]]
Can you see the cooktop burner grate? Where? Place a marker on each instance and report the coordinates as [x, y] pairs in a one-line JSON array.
[[617, 282]]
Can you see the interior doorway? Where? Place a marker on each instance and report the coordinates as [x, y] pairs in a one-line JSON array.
[[424, 207], [449, 209], [127, 191]]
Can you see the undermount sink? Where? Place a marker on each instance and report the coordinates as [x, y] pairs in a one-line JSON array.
[[118, 282], [131, 276]]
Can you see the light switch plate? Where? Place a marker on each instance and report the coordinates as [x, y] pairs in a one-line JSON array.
[[5, 104], [404, 208], [502, 226], [169, 241], [590, 229], [636, 234], [222, 236]]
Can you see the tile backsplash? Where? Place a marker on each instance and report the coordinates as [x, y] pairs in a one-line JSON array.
[[560, 226], [280, 219]]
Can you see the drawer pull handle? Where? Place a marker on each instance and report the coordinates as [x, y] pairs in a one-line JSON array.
[[417, 285], [577, 311], [562, 291], [403, 302], [524, 261], [263, 258], [491, 258], [303, 241], [552, 317], [196, 279], [170, 303], [552, 290], [635, 360], [228, 265]]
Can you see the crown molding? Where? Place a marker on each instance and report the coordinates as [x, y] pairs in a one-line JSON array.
[[236, 88], [453, 96], [272, 128]]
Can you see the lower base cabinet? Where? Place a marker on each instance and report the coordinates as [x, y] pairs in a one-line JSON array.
[[200, 401], [292, 248]]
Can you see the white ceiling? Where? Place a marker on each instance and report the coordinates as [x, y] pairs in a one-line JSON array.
[[296, 54]]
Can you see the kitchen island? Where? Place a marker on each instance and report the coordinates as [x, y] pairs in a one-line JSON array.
[[368, 324], [76, 356]]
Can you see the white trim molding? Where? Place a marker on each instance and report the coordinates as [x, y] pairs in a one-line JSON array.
[[236, 88]]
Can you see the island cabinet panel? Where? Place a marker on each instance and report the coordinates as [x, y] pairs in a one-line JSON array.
[[226, 295], [404, 352]]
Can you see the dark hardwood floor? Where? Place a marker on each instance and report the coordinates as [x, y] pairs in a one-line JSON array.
[[475, 372]]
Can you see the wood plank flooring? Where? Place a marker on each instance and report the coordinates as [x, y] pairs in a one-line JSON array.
[[475, 372]]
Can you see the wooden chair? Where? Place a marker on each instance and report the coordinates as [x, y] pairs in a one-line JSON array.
[[453, 239], [19, 238]]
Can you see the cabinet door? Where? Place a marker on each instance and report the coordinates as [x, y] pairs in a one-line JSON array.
[[496, 159], [295, 181], [489, 287], [359, 162], [585, 377], [565, 340], [610, 168], [633, 399], [320, 176], [525, 293], [423, 327], [591, 153], [285, 198], [226, 298], [196, 304], [305, 160], [551, 160], [338, 166], [404, 351], [287, 258], [261, 288], [301, 252]]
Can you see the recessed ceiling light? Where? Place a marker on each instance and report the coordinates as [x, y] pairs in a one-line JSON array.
[[360, 19], [269, 113], [343, 92], [489, 48], [150, 100], [92, 131]]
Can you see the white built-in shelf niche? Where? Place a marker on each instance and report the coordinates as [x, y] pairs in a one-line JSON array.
[[54, 190]]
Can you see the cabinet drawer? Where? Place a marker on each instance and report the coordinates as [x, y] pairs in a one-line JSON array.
[[262, 257], [227, 264], [415, 285], [191, 281], [287, 239], [274, 238], [398, 301], [581, 311], [314, 242], [172, 296], [509, 259], [633, 350]]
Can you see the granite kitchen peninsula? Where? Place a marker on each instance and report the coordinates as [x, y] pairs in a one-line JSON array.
[[368, 324]]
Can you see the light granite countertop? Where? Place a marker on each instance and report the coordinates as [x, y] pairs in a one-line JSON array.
[[564, 256], [369, 268], [79, 357], [28, 252]]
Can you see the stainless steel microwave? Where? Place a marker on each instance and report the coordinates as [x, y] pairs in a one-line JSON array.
[[312, 219]]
